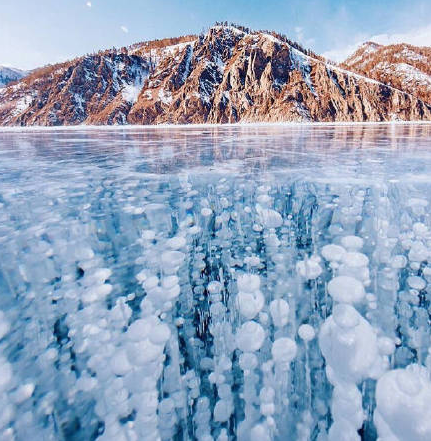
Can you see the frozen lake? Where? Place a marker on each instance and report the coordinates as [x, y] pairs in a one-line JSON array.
[[216, 283]]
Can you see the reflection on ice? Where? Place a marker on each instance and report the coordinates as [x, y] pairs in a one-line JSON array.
[[251, 283]]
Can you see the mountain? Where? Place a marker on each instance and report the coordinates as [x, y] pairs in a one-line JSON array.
[[10, 74], [362, 54], [402, 66], [229, 74]]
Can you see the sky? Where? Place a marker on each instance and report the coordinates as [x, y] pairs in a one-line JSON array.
[[38, 32]]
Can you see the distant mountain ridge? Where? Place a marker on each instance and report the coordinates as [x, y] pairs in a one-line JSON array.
[[229, 74], [402, 66], [10, 74]]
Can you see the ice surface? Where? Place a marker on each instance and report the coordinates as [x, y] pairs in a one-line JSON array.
[[216, 283]]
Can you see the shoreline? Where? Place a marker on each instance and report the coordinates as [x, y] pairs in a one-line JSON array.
[[85, 127]]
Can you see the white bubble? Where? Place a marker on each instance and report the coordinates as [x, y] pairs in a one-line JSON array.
[[248, 361], [172, 258], [269, 218], [160, 334], [309, 269], [279, 310], [355, 260], [250, 304], [346, 289], [23, 393], [222, 411], [403, 411], [283, 352], [333, 253], [214, 287], [399, 261], [250, 337], [175, 243], [260, 433], [352, 243], [306, 332], [206, 212], [120, 363], [416, 282], [248, 282]]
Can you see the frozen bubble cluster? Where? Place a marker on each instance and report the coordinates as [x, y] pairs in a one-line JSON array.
[[141, 302]]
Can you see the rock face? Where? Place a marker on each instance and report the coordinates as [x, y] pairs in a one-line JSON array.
[[10, 74], [228, 75], [402, 66], [91, 89]]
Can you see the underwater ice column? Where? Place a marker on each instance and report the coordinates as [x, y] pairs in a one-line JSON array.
[[146, 353], [347, 340], [386, 264], [250, 337], [172, 409], [349, 346], [223, 347], [416, 239], [96, 333]]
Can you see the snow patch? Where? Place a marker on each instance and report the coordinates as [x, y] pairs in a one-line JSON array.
[[231, 29], [22, 105], [165, 96], [131, 92], [407, 73], [411, 55]]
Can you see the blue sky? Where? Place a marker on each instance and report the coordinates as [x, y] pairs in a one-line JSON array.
[[37, 32]]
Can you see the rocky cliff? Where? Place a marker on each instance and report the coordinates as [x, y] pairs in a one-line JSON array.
[[226, 75]]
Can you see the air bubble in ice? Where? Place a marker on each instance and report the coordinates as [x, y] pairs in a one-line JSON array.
[[416, 282], [306, 332], [333, 253], [346, 289], [279, 310], [250, 304], [283, 352], [403, 411], [355, 259], [352, 243], [250, 337], [309, 269]]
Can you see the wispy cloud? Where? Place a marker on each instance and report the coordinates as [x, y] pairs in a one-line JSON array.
[[125, 29], [340, 54], [417, 37], [301, 38]]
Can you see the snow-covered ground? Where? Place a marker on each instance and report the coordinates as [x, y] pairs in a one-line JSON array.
[[216, 283]]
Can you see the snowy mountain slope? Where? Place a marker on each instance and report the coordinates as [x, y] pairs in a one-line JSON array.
[[402, 66], [10, 74], [229, 74]]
